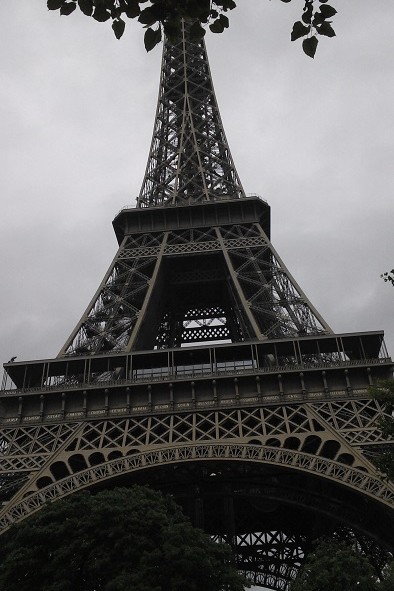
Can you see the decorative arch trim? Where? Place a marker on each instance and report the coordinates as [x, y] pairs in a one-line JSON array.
[[353, 478]]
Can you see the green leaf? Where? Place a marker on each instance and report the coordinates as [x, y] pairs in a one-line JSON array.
[[54, 4], [326, 29], [327, 10], [309, 46], [101, 14], [299, 30], [86, 6], [152, 38], [118, 27], [68, 8]]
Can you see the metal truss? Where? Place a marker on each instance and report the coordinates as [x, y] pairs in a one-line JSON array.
[[221, 283], [189, 159], [305, 427], [323, 438], [111, 316], [155, 294], [268, 559]]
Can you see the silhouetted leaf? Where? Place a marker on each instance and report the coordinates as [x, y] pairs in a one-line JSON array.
[[118, 27], [197, 9], [146, 17], [217, 26], [307, 17], [152, 38], [196, 31], [228, 4], [86, 6], [224, 20], [68, 8], [101, 14], [327, 11], [318, 19], [172, 28], [133, 9], [309, 46], [54, 4], [168, 14], [299, 30], [326, 29]]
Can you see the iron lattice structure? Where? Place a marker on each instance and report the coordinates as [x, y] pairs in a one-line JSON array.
[[201, 368], [189, 160]]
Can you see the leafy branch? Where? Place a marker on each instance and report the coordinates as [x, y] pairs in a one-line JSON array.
[[388, 277], [314, 21], [383, 392], [160, 17]]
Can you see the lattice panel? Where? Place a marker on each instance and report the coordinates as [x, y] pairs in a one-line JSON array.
[[270, 558], [110, 318], [281, 426], [43, 439], [279, 306], [241, 231], [28, 448], [309, 428], [189, 159], [191, 236], [356, 420]]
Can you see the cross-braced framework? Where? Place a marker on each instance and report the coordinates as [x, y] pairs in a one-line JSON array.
[[193, 264], [183, 286], [189, 160], [202, 369]]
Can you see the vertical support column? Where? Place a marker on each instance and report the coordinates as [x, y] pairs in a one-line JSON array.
[[142, 313], [244, 303]]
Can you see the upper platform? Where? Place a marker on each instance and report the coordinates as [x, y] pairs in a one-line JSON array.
[[205, 214], [308, 353]]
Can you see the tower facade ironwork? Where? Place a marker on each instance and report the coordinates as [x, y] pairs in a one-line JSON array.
[[201, 368]]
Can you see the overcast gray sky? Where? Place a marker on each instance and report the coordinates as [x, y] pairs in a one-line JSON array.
[[313, 137]]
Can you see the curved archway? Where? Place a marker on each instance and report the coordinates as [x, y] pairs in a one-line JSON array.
[[324, 468], [267, 499]]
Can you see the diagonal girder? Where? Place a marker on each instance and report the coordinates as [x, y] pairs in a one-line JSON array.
[[189, 159]]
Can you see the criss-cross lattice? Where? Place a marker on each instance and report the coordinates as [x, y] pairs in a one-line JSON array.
[[189, 160]]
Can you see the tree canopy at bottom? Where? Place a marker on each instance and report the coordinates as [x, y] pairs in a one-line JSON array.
[[125, 539], [336, 566]]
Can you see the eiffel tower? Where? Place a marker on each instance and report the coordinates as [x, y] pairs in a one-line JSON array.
[[202, 369]]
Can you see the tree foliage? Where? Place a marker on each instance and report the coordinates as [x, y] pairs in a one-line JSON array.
[[384, 393], [120, 540], [388, 277], [165, 16], [336, 566]]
